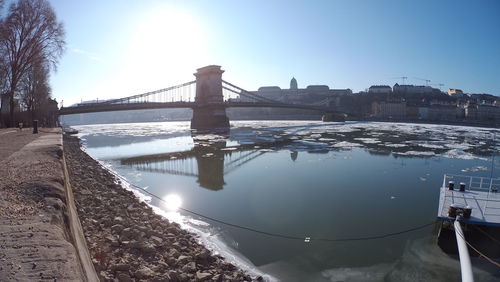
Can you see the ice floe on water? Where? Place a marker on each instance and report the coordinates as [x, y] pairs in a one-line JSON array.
[[475, 168], [345, 144], [395, 145], [429, 144], [368, 140], [459, 154], [400, 139], [368, 273], [461, 146], [415, 153]]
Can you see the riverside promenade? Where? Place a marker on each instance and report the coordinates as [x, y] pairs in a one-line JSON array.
[[47, 189], [36, 241]]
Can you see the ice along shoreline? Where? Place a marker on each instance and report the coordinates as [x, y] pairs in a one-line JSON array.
[[127, 240]]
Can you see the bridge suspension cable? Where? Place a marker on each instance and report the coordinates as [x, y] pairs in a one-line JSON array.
[[177, 91], [242, 92]]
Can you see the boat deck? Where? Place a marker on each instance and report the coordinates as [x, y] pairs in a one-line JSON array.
[[482, 194]]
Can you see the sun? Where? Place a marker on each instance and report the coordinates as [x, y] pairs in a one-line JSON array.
[[166, 42]]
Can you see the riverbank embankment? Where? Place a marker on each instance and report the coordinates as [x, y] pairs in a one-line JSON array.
[[35, 238], [127, 240]]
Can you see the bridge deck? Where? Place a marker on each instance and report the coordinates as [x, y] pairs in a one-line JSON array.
[[106, 107]]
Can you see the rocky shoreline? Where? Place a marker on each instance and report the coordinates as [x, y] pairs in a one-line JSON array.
[[127, 240]]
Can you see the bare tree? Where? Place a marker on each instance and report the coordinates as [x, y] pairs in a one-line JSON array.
[[30, 35], [3, 72], [35, 90]]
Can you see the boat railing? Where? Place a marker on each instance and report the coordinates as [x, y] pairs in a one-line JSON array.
[[473, 183]]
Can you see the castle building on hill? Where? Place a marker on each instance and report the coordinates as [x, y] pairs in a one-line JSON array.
[[309, 95], [414, 89]]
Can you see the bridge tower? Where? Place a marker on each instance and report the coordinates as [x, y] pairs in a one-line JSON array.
[[210, 111]]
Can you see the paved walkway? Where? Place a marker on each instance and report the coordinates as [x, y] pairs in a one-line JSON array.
[[34, 238], [12, 140]]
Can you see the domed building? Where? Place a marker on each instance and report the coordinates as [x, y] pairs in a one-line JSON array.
[[293, 84]]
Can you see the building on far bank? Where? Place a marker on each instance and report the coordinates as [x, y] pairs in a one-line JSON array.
[[380, 89], [293, 84], [389, 109], [309, 95], [453, 91], [483, 112], [414, 89], [442, 112]]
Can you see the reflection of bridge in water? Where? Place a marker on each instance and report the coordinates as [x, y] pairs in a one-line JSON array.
[[208, 162]]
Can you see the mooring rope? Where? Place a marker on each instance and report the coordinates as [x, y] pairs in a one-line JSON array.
[[486, 234], [305, 239], [477, 251]]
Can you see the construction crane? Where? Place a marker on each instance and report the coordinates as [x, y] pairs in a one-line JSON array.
[[424, 79], [403, 78]]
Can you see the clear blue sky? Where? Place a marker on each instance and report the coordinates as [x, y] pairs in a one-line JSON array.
[[117, 48]]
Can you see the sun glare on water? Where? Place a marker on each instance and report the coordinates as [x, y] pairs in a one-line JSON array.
[[172, 202]]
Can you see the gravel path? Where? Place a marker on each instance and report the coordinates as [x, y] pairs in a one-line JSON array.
[[12, 140], [34, 238], [127, 240]]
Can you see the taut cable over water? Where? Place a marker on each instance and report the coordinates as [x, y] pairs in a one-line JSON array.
[[305, 239]]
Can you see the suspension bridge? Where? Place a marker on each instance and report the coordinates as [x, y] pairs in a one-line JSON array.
[[208, 95]]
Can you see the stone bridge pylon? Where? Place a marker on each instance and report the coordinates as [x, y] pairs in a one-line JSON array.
[[210, 111]]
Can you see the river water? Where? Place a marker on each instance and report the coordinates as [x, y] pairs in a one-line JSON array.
[[300, 197]]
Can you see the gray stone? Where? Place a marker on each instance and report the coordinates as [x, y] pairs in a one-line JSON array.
[[126, 233], [203, 255], [203, 276], [157, 240], [117, 228], [118, 220], [144, 272], [174, 253], [123, 277], [183, 259], [120, 267], [189, 267], [146, 247]]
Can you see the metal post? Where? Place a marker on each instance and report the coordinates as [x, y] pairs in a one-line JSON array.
[[35, 126], [465, 265]]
